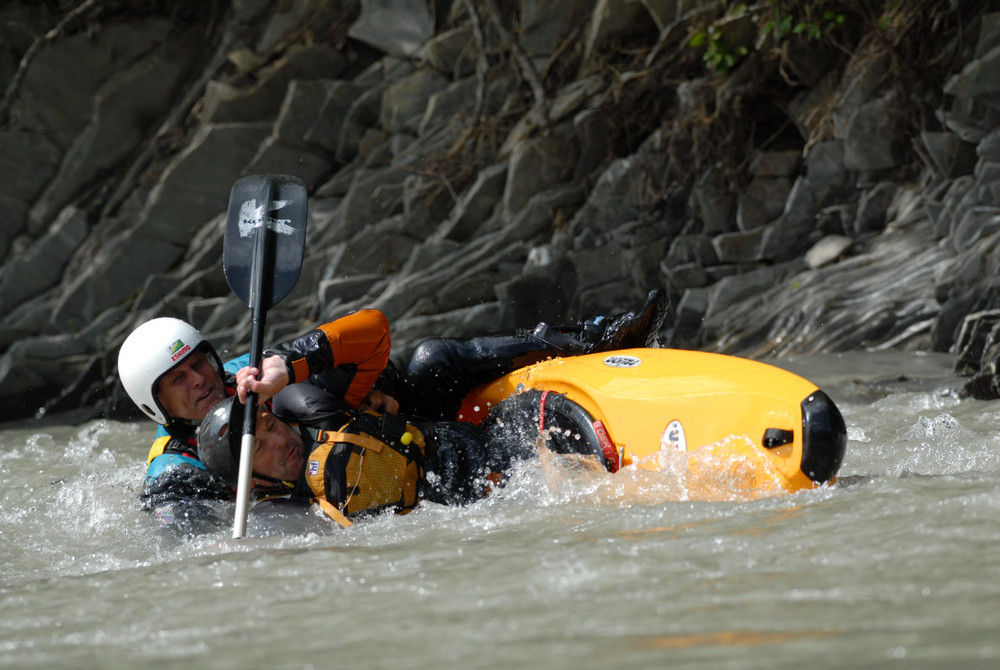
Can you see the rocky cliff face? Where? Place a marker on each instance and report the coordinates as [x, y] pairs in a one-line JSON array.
[[798, 181]]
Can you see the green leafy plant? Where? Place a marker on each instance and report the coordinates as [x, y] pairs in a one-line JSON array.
[[717, 55], [789, 18], [786, 23]]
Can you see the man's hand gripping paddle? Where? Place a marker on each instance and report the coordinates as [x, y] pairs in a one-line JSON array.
[[262, 256]]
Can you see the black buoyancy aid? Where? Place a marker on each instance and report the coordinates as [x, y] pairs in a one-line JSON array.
[[374, 462]]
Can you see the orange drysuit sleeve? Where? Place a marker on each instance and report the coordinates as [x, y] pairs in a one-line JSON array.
[[358, 343]]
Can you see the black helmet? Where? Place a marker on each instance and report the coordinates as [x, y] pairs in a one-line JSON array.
[[219, 438]]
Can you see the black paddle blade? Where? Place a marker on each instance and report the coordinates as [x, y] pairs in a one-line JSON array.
[[266, 212]]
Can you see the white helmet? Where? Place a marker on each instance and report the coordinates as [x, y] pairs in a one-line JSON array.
[[152, 350]]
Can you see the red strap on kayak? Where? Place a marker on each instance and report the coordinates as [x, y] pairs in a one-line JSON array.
[[541, 410], [607, 446]]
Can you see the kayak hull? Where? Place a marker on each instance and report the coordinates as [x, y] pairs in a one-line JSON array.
[[768, 429]]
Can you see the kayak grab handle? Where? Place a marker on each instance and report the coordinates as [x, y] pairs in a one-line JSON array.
[[777, 437]]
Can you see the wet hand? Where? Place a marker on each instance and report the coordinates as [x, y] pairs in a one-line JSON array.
[[272, 379], [380, 402]]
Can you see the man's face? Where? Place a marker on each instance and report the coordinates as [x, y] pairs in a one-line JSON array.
[[191, 389], [278, 449]]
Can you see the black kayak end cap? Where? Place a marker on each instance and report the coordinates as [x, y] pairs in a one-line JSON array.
[[824, 438]]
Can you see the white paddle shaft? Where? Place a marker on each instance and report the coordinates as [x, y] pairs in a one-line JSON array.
[[243, 487]]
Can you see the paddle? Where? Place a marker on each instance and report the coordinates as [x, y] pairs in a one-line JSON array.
[[262, 255]]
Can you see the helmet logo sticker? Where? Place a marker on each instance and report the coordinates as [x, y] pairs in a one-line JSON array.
[[618, 361], [252, 216], [673, 437], [178, 349]]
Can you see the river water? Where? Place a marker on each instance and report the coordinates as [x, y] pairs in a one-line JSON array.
[[897, 565]]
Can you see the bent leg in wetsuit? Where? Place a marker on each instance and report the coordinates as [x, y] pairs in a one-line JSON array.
[[442, 371]]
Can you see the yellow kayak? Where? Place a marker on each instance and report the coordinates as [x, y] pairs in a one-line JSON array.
[[763, 429]]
